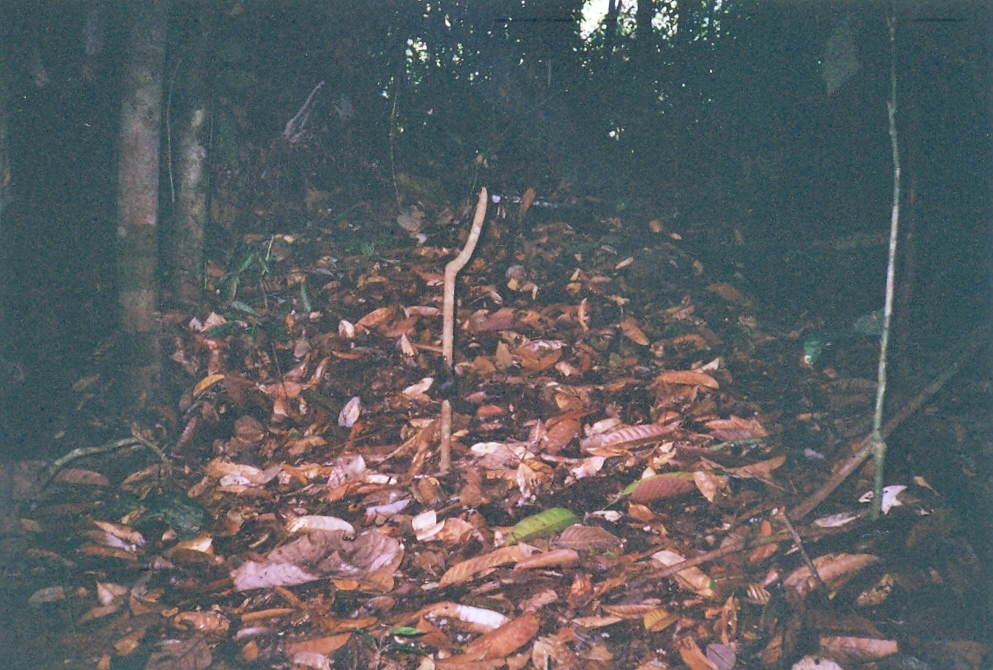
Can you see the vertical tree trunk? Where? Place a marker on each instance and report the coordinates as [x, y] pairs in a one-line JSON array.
[[137, 232], [7, 366], [191, 209]]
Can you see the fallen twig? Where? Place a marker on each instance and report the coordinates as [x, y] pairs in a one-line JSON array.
[[448, 323]]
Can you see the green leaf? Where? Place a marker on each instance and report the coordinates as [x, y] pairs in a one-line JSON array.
[[242, 307], [406, 631], [550, 521], [305, 297]]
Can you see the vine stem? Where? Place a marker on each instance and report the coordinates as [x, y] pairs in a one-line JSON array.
[[878, 443]]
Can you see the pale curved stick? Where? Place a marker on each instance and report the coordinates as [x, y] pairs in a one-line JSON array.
[[452, 269], [448, 323]]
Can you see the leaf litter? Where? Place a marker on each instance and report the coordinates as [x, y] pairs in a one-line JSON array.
[[622, 455]]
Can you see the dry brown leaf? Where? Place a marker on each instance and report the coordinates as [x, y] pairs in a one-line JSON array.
[[587, 538], [322, 645], [81, 477], [506, 639], [376, 317], [692, 579], [633, 331], [629, 437], [735, 428], [658, 618], [688, 378], [879, 592], [692, 655], [205, 384], [628, 612], [857, 649], [709, 484], [467, 569], [191, 654], [211, 623], [555, 558], [561, 433], [760, 470], [834, 570], [760, 554], [663, 486], [728, 293]]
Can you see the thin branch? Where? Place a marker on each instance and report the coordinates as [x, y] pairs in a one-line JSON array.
[[448, 324]]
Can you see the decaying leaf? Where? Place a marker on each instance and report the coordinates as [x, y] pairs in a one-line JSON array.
[[856, 649], [658, 619], [878, 594], [209, 623], [834, 569], [191, 654], [320, 554], [692, 579]]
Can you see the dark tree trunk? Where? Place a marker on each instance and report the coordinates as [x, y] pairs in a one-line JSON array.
[[8, 367], [137, 232], [191, 209]]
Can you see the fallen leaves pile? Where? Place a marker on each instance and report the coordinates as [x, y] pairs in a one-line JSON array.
[[602, 434]]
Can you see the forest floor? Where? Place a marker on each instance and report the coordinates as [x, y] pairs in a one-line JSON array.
[[616, 411]]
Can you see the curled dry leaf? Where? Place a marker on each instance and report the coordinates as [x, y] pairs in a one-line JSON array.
[[205, 384], [834, 569], [709, 484], [693, 657], [311, 523], [504, 640], [658, 618], [350, 412], [376, 317], [548, 559], [230, 473], [479, 619]]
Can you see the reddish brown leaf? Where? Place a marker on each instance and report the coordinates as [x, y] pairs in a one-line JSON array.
[[466, 570], [688, 378], [505, 639], [663, 486]]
